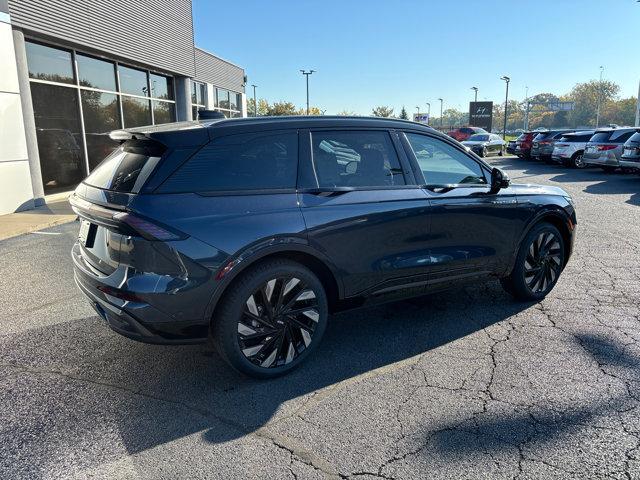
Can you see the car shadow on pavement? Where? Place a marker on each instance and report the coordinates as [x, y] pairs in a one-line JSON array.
[[157, 394], [515, 425]]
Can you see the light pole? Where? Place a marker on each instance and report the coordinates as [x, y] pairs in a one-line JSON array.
[[306, 74], [506, 105], [428, 109], [526, 102], [599, 97], [475, 89], [441, 101], [417, 110], [255, 103]]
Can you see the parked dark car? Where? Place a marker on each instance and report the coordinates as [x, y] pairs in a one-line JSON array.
[[511, 147], [631, 152], [485, 144], [251, 231], [543, 143], [604, 148], [463, 133], [523, 144]]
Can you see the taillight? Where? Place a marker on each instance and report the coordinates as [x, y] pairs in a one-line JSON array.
[[545, 142], [602, 148], [148, 229]]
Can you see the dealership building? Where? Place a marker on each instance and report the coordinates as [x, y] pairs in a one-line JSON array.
[[74, 71]]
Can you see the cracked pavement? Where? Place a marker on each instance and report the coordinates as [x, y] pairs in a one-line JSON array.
[[464, 384]]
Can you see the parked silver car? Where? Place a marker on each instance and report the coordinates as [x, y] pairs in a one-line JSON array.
[[604, 148], [569, 149], [631, 152]]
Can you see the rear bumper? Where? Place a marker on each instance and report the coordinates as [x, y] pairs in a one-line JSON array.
[[135, 319], [605, 160], [631, 162]]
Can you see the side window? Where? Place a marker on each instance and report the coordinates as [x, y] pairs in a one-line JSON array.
[[239, 162], [623, 137], [443, 164], [355, 159]]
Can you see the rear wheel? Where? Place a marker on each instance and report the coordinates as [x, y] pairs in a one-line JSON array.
[[484, 152], [501, 152], [538, 265], [577, 161], [271, 319]]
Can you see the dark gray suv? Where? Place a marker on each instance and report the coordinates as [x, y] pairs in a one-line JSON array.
[[250, 232]]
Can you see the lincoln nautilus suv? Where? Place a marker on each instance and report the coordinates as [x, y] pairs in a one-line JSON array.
[[250, 232]]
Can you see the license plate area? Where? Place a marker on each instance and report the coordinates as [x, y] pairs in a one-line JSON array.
[[87, 233]]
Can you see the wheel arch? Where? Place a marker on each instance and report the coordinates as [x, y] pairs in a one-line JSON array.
[[301, 254], [559, 220]]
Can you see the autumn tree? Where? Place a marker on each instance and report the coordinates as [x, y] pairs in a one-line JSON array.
[[403, 114]]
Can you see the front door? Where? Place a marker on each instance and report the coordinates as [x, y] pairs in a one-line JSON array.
[[473, 231], [363, 209]]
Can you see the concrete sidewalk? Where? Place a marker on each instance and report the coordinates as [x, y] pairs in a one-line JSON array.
[[55, 212]]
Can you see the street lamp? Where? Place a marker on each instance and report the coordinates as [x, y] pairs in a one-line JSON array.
[[428, 109], [506, 105], [306, 74], [417, 110], [255, 103], [599, 97], [475, 89], [441, 101]]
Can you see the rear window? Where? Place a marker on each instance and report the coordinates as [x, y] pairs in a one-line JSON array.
[[635, 137], [541, 136], [621, 137], [576, 138], [239, 162], [600, 137], [127, 168]]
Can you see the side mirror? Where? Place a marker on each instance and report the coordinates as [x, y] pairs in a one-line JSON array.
[[499, 180]]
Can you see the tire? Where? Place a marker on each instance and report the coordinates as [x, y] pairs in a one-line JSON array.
[[576, 160], [608, 168], [538, 264], [501, 152], [251, 328], [483, 152]]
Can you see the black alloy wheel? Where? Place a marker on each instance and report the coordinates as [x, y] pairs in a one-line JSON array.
[[484, 152], [270, 318], [278, 322], [543, 263], [577, 161], [538, 265]]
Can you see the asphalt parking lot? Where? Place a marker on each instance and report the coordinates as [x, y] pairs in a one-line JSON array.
[[466, 384]]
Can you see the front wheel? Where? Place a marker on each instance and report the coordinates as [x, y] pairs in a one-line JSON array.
[[538, 265], [271, 319]]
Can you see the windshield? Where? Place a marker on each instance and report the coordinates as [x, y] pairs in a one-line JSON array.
[[478, 138]]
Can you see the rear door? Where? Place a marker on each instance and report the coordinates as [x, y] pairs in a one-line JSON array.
[[472, 231], [363, 208]]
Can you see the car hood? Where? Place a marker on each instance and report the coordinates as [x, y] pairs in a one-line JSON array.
[[533, 189]]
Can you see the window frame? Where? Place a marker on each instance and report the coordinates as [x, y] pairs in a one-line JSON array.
[[486, 169], [307, 180]]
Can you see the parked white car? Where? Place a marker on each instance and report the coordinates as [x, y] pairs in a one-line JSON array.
[[569, 149]]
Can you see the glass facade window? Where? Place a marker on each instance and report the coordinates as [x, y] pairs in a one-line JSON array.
[[47, 63], [223, 98], [59, 135], [94, 73], [163, 112], [229, 103], [136, 112], [64, 104], [133, 81], [101, 114], [161, 86]]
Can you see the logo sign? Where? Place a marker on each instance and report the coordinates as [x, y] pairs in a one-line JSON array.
[[421, 118], [481, 115], [561, 106]]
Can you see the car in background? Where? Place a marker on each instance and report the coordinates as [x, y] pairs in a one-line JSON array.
[[523, 144], [485, 144], [630, 157], [464, 133], [569, 148], [511, 147], [604, 148], [543, 143]]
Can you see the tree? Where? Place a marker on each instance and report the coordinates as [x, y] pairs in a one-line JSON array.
[[263, 107], [347, 113], [586, 96], [312, 111], [382, 111], [282, 108], [403, 114]]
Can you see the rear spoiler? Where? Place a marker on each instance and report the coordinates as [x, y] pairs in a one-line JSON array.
[[176, 134]]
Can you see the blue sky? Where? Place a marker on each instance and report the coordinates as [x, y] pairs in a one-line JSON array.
[[402, 52]]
